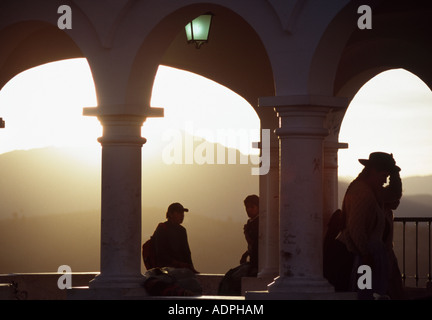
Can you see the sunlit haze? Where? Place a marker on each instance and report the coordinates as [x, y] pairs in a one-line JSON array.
[[43, 107], [392, 113]]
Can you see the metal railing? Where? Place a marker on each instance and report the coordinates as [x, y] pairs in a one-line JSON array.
[[416, 221]]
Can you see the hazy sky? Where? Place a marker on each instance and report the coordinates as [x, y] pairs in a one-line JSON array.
[[392, 113], [43, 107]]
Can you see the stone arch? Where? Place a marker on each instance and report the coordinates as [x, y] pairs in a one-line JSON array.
[[224, 59], [391, 136], [30, 36], [393, 54], [347, 56], [31, 43], [330, 49], [359, 55]]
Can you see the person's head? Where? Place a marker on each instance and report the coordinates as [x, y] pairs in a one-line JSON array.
[[378, 168], [252, 205], [175, 213]]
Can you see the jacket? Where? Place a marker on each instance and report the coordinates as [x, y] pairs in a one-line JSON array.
[[365, 219]]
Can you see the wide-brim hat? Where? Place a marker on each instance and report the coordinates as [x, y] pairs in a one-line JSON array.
[[381, 161], [177, 207]]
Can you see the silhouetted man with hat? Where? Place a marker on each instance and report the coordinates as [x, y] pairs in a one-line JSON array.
[[367, 231]]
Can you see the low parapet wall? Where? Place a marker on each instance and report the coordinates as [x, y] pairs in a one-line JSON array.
[[43, 286]]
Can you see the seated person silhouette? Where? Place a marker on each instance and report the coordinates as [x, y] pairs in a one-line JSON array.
[[231, 283], [251, 230], [170, 242]]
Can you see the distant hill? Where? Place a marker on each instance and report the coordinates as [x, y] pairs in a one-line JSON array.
[[46, 181], [417, 185], [42, 243], [416, 200], [415, 206], [50, 207], [50, 181]]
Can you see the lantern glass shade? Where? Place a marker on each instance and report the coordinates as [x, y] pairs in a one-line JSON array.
[[197, 31]]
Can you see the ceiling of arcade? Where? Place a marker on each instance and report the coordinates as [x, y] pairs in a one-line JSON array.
[[399, 38], [28, 44], [236, 58], [233, 57]]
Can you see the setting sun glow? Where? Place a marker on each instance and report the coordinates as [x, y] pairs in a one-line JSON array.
[[43, 107]]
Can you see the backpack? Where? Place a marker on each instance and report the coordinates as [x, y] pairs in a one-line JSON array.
[[148, 254], [337, 260], [148, 251], [172, 282]]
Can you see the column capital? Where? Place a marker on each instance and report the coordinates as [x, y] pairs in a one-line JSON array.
[[303, 115], [121, 128], [302, 121], [121, 141], [132, 110], [335, 145]]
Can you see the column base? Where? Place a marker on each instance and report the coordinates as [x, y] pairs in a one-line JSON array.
[[87, 293], [269, 273], [266, 295], [255, 283], [120, 282], [289, 288], [300, 285], [109, 287]]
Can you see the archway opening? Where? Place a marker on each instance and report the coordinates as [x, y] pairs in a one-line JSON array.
[[50, 168], [51, 165], [212, 190], [200, 154], [391, 113]]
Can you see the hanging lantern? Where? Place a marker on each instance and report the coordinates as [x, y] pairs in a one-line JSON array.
[[197, 31]]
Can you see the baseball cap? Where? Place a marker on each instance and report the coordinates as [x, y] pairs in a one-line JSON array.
[[177, 207]]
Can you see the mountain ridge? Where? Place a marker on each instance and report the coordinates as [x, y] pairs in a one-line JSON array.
[[49, 180], [416, 200], [48, 197]]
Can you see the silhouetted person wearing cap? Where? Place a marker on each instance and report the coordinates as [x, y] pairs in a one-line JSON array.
[[367, 232], [170, 240]]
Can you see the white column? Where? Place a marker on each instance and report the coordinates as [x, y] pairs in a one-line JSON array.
[[301, 133], [330, 185], [120, 261], [331, 148], [301, 136], [269, 221]]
